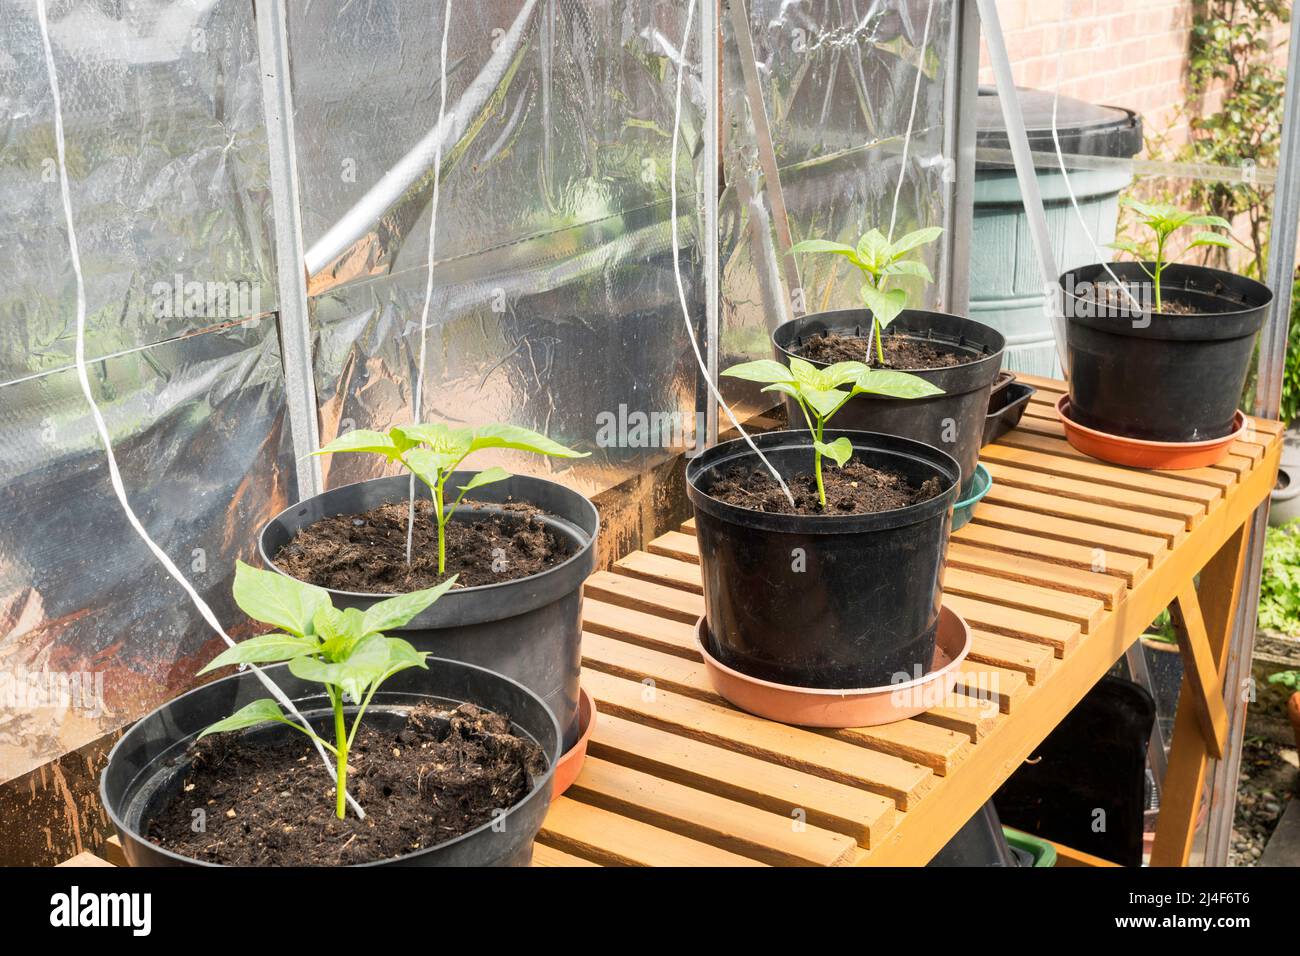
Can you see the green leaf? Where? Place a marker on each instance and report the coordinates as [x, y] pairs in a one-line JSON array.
[[275, 599], [398, 611], [916, 239], [363, 440], [402, 655], [825, 245], [909, 267], [894, 384], [431, 466], [453, 443], [1209, 239], [352, 675], [805, 373], [1209, 221], [885, 306], [763, 370], [841, 373], [338, 630], [520, 439], [838, 451], [874, 250], [485, 477], [258, 712], [824, 401], [264, 650]]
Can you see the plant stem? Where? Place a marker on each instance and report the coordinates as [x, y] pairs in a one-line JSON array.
[[880, 348], [442, 529], [1160, 255], [340, 734], [817, 466]]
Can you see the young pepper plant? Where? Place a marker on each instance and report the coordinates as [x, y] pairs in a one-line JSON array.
[[818, 392], [879, 260], [346, 651], [433, 452], [1164, 220]]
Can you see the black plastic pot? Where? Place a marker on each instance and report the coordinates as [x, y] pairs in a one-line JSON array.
[[1157, 376], [148, 765], [1006, 407], [829, 601], [529, 629], [953, 421], [980, 842]]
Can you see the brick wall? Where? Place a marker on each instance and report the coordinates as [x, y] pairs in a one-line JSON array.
[[1130, 53]]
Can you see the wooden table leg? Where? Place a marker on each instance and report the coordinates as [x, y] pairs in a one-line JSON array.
[[1203, 620]]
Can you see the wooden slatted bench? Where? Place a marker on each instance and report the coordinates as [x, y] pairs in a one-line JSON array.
[[1066, 563]]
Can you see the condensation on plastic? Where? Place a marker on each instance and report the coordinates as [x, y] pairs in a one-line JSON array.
[[554, 304], [837, 82], [168, 166]]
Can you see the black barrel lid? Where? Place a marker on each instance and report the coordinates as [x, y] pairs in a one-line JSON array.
[[1083, 128]]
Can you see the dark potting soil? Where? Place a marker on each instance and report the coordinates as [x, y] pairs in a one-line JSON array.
[[1113, 299], [855, 489], [902, 352], [366, 553], [271, 803]]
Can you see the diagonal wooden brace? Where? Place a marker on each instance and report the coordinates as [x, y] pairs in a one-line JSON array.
[[1201, 668]]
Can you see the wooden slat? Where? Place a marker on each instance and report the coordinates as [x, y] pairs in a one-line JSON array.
[[544, 855], [902, 781], [85, 859], [933, 747], [1044, 435], [1057, 577], [627, 591], [1061, 636], [678, 545], [1097, 515], [1032, 660], [1164, 484], [967, 716], [1187, 512], [638, 627], [1000, 686], [864, 816], [113, 851], [661, 570], [615, 840], [727, 824], [1128, 567], [1200, 669], [1085, 611], [1101, 539]]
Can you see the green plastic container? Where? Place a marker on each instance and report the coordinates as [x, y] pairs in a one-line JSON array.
[[1039, 850]]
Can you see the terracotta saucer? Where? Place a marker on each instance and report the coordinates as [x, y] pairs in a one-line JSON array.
[[570, 763], [859, 707], [1138, 453]]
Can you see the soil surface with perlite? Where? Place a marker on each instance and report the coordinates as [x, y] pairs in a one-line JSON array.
[[855, 489], [271, 803], [366, 553], [902, 352]]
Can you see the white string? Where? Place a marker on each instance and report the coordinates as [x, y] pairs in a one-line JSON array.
[[677, 266], [911, 116], [418, 398], [1102, 257], [115, 476]]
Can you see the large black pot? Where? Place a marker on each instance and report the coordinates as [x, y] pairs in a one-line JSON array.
[[829, 601], [1156, 376], [529, 629], [148, 765], [953, 421]]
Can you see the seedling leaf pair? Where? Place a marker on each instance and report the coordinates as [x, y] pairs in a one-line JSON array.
[[819, 392], [1164, 219], [346, 650], [879, 260]]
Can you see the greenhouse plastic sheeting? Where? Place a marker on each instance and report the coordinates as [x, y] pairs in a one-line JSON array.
[[554, 305], [168, 172]]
